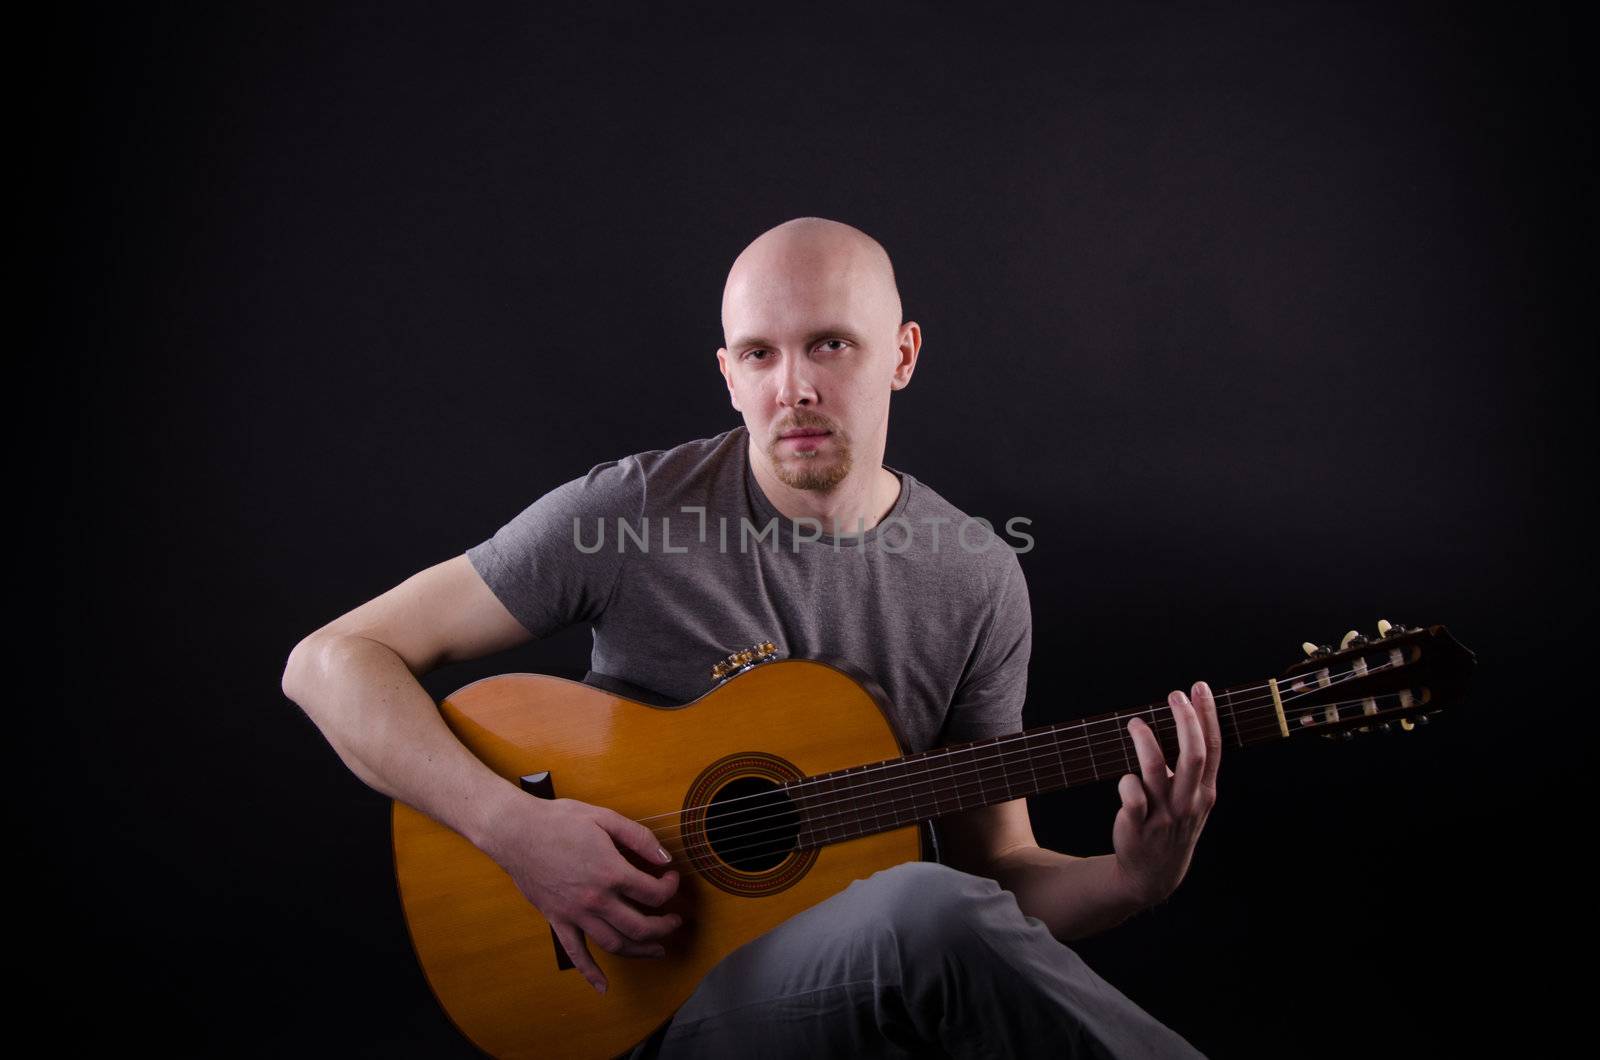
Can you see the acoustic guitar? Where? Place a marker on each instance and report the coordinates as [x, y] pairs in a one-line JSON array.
[[772, 792]]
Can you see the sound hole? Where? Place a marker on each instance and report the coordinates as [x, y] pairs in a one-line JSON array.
[[751, 824]]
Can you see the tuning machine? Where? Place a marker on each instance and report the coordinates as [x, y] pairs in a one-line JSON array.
[[740, 661]]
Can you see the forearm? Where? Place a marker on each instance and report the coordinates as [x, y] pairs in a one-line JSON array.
[[386, 728], [1074, 897]]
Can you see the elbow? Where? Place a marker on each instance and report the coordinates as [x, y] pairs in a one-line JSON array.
[[294, 669], [305, 665]]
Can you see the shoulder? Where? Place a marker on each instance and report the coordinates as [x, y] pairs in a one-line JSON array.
[[966, 546], [687, 473]]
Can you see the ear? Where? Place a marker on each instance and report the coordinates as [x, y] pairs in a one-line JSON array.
[[722, 366], [907, 347]]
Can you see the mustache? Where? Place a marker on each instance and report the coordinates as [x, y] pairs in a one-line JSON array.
[[803, 421]]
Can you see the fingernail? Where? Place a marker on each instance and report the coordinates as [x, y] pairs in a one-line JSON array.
[[665, 857], [600, 988]]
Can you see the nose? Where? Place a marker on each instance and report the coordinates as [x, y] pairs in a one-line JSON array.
[[794, 383]]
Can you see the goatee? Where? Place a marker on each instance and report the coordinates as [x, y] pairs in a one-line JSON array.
[[813, 470]]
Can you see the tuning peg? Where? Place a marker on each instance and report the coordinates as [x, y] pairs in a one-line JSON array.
[[741, 660], [1352, 638], [1384, 627], [1314, 650]]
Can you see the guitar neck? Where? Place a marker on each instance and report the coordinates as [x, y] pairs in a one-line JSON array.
[[879, 796]]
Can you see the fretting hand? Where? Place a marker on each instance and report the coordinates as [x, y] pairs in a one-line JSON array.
[[1163, 811]]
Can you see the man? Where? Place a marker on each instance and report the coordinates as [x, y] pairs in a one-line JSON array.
[[962, 957]]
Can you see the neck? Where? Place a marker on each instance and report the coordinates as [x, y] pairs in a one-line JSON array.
[[876, 797], [860, 502]]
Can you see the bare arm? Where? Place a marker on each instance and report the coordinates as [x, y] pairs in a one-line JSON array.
[[356, 678], [1154, 833], [1075, 897]]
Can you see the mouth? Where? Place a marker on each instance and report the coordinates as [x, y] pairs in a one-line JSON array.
[[806, 432]]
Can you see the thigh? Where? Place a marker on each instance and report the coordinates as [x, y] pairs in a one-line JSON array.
[[825, 982]]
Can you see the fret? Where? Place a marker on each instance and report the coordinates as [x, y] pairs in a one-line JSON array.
[[993, 759], [950, 782], [798, 800], [1027, 750], [859, 788], [831, 809], [1227, 698], [1061, 766], [1167, 746], [921, 793], [808, 796], [901, 786], [1094, 768], [970, 770], [838, 801], [860, 801], [1080, 752]]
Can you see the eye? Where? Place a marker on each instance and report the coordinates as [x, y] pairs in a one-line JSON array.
[[751, 353], [842, 343]]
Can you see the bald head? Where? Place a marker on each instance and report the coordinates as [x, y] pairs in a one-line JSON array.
[[811, 263], [815, 344]]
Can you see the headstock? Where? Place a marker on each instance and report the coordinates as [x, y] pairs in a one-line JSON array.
[[1400, 678]]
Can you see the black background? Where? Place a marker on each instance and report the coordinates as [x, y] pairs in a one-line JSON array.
[[1266, 315]]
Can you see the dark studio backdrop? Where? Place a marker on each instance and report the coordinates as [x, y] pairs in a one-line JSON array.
[[1265, 314]]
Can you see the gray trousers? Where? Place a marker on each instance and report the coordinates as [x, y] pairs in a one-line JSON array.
[[914, 961]]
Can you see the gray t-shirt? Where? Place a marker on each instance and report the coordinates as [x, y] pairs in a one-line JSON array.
[[677, 558]]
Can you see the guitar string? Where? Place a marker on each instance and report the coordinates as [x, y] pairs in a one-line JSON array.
[[1116, 720], [1116, 724], [700, 861], [1030, 756], [955, 770]]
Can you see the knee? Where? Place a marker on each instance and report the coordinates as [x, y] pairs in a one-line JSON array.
[[925, 905]]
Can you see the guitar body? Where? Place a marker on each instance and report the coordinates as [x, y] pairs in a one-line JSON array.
[[491, 958]]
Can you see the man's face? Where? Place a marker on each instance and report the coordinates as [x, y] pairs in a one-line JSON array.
[[812, 359]]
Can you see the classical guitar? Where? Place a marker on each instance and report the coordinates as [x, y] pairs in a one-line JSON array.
[[772, 792]]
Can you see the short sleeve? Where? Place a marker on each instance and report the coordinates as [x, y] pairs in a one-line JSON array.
[[557, 562], [988, 701]]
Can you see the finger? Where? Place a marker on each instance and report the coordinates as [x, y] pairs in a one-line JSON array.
[[1152, 766], [646, 889], [578, 952], [608, 938], [1133, 798], [1206, 704], [1191, 750], [637, 926], [634, 836]]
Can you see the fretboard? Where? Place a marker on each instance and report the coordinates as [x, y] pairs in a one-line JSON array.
[[879, 796]]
